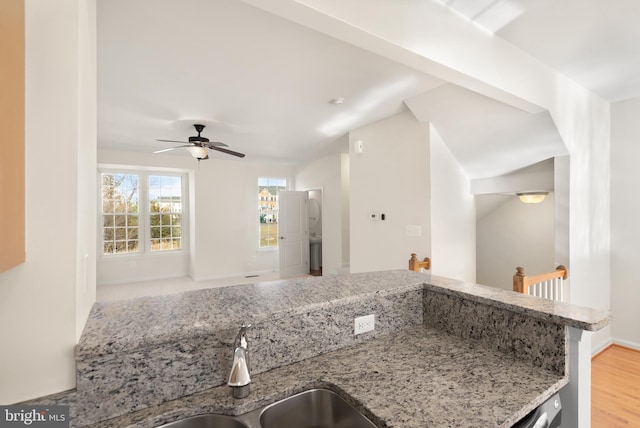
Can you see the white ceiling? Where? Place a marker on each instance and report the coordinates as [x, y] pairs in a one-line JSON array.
[[262, 84], [594, 42]]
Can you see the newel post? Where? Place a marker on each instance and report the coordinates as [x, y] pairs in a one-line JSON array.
[[413, 262], [564, 269], [518, 280], [416, 265]]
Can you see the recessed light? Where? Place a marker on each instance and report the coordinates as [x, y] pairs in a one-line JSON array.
[[337, 101]]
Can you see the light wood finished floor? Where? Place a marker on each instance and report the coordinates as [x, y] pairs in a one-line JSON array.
[[615, 388]]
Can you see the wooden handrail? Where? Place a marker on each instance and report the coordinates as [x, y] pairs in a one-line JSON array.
[[522, 282], [416, 265]]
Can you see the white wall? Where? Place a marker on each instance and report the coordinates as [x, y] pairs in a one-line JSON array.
[[625, 234], [224, 226], [515, 234], [453, 215], [326, 173], [390, 177], [41, 307], [431, 38], [86, 163], [346, 211]]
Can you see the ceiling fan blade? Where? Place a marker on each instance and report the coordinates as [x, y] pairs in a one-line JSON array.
[[217, 144], [227, 151], [172, 141], [171, 148]]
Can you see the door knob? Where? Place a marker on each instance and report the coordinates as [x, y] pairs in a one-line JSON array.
[[282, 237]]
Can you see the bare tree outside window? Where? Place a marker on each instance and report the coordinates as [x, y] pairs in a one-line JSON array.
[[165, 212], [120, 213]]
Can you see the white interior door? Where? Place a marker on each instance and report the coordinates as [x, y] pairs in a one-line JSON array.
[[293, 232]]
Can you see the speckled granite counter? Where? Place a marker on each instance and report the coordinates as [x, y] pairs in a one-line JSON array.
[[151, 355], [419, 377]]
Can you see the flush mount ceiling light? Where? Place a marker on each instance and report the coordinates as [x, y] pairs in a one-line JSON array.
[[532, 197]]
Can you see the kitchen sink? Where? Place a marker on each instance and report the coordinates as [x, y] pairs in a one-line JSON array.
[[207, 421], [316, 408]]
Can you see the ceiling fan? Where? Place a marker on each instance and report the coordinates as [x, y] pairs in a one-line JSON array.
[[199, 146]]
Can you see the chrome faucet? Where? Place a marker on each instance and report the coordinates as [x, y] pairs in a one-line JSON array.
[[240, 377]]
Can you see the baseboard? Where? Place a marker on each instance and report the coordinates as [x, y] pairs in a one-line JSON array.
[[601, 348], [618, 342], [627, 344], [141, 279], [271, 273]]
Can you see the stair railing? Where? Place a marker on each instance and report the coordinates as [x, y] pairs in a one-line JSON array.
[[417, 265], [548, 285]]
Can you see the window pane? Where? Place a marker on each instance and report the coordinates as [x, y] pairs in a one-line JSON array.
[[268, 189], [119, 197], [165, 206], [155, 244], [108, 221], [121, 233], [108, 235], [107, 205], [132, 246]]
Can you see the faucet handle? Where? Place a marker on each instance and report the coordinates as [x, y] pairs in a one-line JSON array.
[[244, 326], [241, 337]]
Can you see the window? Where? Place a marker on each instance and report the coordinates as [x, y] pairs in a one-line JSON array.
[[120, 213], [142, 212], [165, 212], [268, 210]]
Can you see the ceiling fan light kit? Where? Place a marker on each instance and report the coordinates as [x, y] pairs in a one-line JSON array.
[[199, 146], [198, 152]]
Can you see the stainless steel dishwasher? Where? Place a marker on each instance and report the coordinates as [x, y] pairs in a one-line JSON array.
[[547, 415]]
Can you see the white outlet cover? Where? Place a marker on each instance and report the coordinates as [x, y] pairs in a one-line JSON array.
[[364, 324]]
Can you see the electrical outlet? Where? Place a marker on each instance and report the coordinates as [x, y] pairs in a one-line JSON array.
[[364, 324]]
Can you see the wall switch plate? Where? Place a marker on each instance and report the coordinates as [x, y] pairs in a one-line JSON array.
[[364, 324], [414, 230]]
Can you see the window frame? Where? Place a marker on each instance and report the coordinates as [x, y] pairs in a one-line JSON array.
[[286, 187], [144, 211]]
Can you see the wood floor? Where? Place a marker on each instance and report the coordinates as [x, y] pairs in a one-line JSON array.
[[615, 388]]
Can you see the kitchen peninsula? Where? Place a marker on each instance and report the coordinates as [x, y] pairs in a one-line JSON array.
[[443, 352]]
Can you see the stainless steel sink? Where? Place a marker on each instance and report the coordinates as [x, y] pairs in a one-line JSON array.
[[316, 408], [207, 421]]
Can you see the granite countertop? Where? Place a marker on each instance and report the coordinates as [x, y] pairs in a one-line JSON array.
[[580, 317], [415, 370], [139, 323], [417, 378]]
